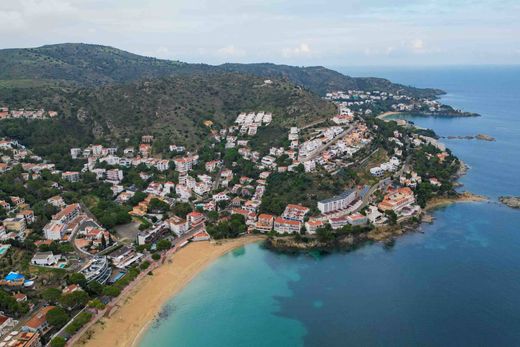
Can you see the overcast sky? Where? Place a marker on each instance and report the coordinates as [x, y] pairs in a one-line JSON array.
[[301, 32]]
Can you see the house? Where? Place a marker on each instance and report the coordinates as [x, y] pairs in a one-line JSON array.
[[338, 222], [356, 219], [146, 139], [265, 222], [213, 165], [249, 217], [16, 224], [185, 164], [97, 269], [178, 225], [22, 339], [295, 212], [313, 225], [5, 323], [54, 230], [20, 297], [45, 259], [222, 196], [68, 213], [396, 199], [287, 226], [114, 175], [56, 201], [71, 176], [201, 236], [145, 149], [28, 215], [162, 165], [71, 289], [374, 216], [124, 257], [38, 321], [195, 219]]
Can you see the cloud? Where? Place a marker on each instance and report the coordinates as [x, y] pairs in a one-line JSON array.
[[231, 52], [417, 45], [357, 32], [300, 51]]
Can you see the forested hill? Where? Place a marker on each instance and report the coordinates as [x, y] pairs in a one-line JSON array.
[[94, 65]]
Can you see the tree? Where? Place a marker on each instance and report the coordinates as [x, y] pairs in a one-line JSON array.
[[8, 304], [144, 265], [156, 256], [74, 299], [392, 217], [78, 278], [51, 295], [58, 341], [57, 317], [111, 291], [163, 245], [103, 242], [182, 209], [158, 206], [78, 322], [325, 234], [96, 303], [95, 288]]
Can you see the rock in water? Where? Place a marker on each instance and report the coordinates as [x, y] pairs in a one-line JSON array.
[[511, 201], [484, 137]]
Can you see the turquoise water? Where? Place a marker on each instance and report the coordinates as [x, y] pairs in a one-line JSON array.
[[456, 284]]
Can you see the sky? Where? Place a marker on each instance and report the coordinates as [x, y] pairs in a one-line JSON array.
[[297, 32]]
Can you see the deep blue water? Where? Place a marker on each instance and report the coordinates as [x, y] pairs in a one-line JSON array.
[[456, 284]]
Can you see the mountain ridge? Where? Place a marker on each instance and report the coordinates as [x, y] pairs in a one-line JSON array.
[[82, 64]]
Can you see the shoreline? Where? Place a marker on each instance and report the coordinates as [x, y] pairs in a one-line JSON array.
[[388, 114], [129, 320]]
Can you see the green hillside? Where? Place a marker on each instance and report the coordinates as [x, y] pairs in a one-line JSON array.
[[170, 108]]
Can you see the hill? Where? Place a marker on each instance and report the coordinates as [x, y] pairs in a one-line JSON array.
[[171, 108], [321, 80], [94, 65]]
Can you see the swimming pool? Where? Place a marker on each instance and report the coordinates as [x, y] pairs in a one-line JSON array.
[[3, 249]]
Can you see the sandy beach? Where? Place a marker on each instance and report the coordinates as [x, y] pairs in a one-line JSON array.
[[463, 197], [128, 321], [388, 114]]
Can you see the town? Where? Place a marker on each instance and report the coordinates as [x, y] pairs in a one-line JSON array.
[[74, 239]]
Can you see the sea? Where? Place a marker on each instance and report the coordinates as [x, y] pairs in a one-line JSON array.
[[455, 283]]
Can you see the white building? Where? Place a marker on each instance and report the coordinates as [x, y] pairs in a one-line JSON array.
[[339, 202]]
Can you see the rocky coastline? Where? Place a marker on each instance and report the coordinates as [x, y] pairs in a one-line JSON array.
[[385, 234]]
